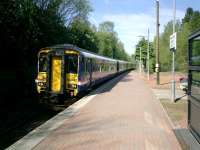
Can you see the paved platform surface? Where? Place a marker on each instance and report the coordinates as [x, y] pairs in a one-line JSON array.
[[166, 94], [124, 115]]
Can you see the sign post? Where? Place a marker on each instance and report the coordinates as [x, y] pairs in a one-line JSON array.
[[172, 43], [173, 49]]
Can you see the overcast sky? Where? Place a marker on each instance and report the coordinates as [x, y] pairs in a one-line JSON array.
[[132, 18]]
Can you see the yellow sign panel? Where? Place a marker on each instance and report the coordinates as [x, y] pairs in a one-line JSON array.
[[56, 74], [71, 52]]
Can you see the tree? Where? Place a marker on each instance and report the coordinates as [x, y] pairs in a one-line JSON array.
[[109, 43], [188, 15], [105, 45], [143, 44], [81, 34], [67, 10], [106, 26], [26, 26], [189, 24]]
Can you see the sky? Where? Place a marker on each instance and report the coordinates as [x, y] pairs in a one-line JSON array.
[[132, 18]]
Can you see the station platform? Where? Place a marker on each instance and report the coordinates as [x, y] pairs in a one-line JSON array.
[[123, 114]]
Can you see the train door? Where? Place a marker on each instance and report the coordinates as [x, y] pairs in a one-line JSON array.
[[72, 69], [194, 85], [90, 70], [56, 62], [117, 66]]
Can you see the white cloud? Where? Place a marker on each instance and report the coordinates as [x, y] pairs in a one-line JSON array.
[[130, 26]]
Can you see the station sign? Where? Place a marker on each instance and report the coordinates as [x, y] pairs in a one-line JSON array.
[[172, 43]]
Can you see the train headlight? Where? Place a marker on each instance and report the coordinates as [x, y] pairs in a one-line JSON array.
[[36, 81], [41, 84], [72, 86]]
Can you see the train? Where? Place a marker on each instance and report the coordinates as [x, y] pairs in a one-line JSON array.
[[69, 70]]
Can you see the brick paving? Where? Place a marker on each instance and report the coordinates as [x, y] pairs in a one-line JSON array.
[[126, 116]]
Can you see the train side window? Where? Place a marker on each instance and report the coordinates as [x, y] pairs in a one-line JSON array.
[[42, 63], [82, 64], [71, 63], [86, 65]]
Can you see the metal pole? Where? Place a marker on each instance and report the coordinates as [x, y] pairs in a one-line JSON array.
[[173, 54], [140, 60], [157, 43], [148, 56]]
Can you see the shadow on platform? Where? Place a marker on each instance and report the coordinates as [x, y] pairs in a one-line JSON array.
[[108, 85]]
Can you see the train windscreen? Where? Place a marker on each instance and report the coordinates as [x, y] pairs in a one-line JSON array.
[[42, 63], [72, 64]]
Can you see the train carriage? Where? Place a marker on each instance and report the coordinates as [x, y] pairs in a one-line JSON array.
[[69, 70]]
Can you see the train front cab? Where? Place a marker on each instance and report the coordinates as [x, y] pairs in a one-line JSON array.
[[194, 85], [58, 72]]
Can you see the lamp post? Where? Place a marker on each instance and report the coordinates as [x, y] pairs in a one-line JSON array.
[[173, 54], [140, 63], [140, 60], [148, 56], [157, 44]]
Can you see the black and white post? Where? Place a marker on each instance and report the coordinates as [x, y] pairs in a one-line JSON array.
[[157, 67]]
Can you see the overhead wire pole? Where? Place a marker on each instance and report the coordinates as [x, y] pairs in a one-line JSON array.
[[173, 53], [148, 56], [157, 43], [140, 62], [140, 59]]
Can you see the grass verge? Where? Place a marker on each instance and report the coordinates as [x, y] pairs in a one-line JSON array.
[[177, 112]]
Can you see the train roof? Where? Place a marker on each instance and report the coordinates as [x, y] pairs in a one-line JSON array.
[[83, 52]]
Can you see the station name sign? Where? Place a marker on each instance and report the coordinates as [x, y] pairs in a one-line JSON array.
[[172, 43]]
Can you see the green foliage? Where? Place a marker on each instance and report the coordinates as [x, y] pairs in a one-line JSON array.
[[182, 48], [81, 34], [28, 25], [189, 24], [105, 44], [109, 44], [165, 54], [143, 45], [106, 26]]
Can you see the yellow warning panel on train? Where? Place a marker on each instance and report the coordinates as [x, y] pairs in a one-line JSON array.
[[56, 74]]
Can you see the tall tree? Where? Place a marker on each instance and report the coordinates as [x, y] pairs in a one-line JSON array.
[[143, 44], [109, 43], [26, 26], [106, 26], [189, 24], [81, 34]]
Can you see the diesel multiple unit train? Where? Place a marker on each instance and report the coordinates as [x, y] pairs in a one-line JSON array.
[[69, 70]]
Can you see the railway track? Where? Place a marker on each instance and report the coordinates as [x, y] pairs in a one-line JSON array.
[[21, 122], [17, 123]]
